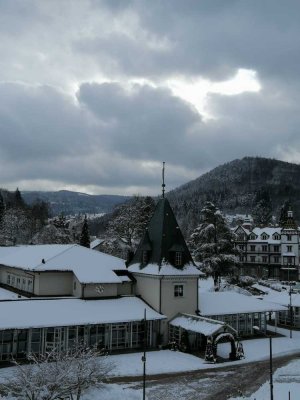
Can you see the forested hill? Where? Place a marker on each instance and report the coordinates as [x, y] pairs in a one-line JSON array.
[[233, 187], [71, 203]]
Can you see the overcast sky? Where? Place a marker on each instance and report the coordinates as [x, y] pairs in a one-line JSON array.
[[94, 95]]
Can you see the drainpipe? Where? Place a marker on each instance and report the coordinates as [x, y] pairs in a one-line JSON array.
[[82, 291], [33, 280], [197, 309], [160, 293], [159, 322]]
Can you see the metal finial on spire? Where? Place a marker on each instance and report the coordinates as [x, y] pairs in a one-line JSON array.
[[163, 180]]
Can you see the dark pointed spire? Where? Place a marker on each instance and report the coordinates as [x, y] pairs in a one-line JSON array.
[[163, 240], [163, 181]]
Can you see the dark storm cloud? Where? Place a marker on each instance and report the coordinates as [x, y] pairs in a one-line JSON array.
[[48, 136], [144, 123], [210, 39], [114, 135], [39, 123]]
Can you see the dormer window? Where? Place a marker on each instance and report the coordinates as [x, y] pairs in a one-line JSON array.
[[264, 236], [145, 257], [252, 236], [276, 236], [178, 258]]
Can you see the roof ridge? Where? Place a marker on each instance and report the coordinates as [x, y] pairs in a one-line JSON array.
[[56, 255]]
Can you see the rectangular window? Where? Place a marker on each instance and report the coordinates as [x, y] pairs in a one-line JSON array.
[[276, 249], [289, 249], [8, 279], [178, 291], [145, 257], [276, 260], [264, 259], [252, 259], [252, 248], [178, 258], [29, 285], [289, 237], [264, 247]]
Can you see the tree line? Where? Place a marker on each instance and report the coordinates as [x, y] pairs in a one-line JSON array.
[[19, 222]]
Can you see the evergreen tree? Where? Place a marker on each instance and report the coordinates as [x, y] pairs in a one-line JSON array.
[[85, 235], [262, 212], [284, 212], [19, 202], [2, 208], [212, 243], [40, 211]]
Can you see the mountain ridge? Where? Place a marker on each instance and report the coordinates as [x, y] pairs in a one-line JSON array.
[[233, 187], [71, 203]]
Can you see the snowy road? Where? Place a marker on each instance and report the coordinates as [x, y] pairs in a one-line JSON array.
[[218, 384]]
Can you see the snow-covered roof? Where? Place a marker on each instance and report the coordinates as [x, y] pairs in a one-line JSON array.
[[282, 298], [270, 231], [222, 303], [165, 269], [125, 278], [241, 228], [193, 323], [88, 265], [67, 312], [95, 243]]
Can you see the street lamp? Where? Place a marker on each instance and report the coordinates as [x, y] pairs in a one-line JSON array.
[[144, 354], [256, 328], [290, 306]]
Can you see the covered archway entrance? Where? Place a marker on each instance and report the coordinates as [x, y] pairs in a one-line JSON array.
[[193, 333], [223, 338]]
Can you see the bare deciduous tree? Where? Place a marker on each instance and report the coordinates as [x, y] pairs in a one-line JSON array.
[[59, 375]]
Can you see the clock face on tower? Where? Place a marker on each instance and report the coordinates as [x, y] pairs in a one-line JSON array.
[[99, 289]]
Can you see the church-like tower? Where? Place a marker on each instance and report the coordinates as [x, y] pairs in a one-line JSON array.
[[163, 242], [166, 276], [289, 247]]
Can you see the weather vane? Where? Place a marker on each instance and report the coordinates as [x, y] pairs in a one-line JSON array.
[[163, 180]]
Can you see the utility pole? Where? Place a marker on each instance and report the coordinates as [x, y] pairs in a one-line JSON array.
[[256, 328], [290, 306], [144, 355], [271, 369]]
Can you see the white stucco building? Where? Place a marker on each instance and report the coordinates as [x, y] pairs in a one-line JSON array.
[[270, 252]]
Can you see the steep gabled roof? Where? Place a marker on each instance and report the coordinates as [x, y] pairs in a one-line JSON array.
[[88, 265], [162, 237]]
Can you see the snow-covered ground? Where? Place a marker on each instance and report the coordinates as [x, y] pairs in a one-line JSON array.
[[285, 380], [8, 295], [167, 361]]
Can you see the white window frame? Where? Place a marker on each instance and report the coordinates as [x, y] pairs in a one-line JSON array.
[[178, 290], [178, 258]]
